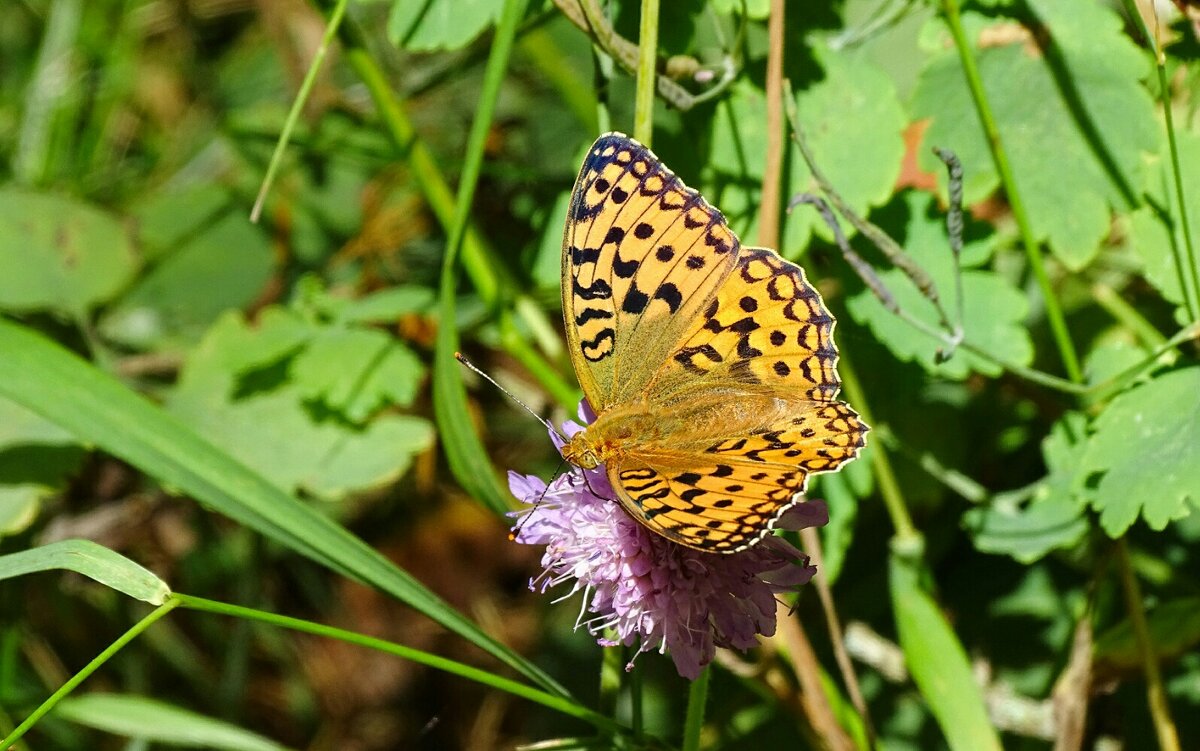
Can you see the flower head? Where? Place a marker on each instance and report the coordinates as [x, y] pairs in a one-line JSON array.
[[652, 592]]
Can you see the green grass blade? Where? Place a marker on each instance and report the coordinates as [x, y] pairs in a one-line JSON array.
[[98, 409], [464, 451], [93, 561], [568, 707], [159, 722], [938, 663]]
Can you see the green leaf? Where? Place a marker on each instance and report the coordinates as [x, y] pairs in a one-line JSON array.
[[547, 266], [225, 265], [1174, 630], [285, 417], [1146, 445], [758, 10], [167, 220], [1072, 115], [59, 254], [853, 120], [387, 305], [94, 561], [159, 722], [1110, 359], [1054, 518], [1157, 238], [357, 371], [993, 310], [98, 409], [429, 25], [36, 457], [938, 663], [838, 534]]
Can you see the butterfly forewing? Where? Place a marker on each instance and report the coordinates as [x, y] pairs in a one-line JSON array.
[[642, 256], [766, 325]]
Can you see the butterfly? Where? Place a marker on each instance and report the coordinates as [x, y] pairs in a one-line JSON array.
[[710, 366]]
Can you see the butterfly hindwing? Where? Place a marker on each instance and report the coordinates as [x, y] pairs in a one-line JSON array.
[[642, 256], [706, 504], [736, 470]]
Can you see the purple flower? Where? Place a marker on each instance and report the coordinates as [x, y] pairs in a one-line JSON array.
[[654, 593]]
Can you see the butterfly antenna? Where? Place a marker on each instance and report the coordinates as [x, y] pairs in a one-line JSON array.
[[512, 534], [459, 356]]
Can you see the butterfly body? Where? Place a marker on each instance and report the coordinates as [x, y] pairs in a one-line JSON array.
[[710, 365]]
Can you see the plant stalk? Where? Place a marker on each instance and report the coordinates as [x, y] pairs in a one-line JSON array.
[[1054, 314]]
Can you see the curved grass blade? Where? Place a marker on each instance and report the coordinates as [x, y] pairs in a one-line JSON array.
[[94, 561], [938, 663], [42, 376], [464, 451]]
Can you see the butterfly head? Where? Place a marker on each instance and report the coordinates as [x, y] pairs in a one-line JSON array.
[[583, 452]]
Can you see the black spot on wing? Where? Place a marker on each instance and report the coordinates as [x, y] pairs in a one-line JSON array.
[[625, 269], [635, 301], [592, 314], [592, 348], [669, 294], [599, 290], [687, 357], [580, 256]]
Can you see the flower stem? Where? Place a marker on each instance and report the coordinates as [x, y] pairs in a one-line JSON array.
[[463, 448], [647, 76], [811, 542], [612, 663], [697, 699], [768, 209], [636, 716], [90, 668], [1192, 300], [1127, 315], [1054, 314], [1156, 695]]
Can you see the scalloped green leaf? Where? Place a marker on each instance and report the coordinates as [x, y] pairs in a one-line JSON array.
[[1157, 237], [1072, 115], [1146, 449], [429, 25], [357, 371], [1054, 518], [854, 122], [284, 418], [60, 254], [993, 310]]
